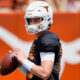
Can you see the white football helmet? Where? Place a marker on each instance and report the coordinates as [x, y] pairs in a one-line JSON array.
[[38, 9]]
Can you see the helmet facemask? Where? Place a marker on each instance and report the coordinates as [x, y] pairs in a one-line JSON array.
[[36, 28], [33, 28]]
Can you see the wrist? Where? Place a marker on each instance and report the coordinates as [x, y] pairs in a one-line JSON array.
[[28, 64], [22, 60]]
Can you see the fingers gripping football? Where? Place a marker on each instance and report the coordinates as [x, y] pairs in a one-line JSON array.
[[11, 61], [19, 54]]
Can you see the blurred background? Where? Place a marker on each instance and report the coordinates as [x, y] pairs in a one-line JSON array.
[[57, 5], [66, 24]]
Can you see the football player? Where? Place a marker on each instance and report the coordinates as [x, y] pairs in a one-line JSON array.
[[43, 62]]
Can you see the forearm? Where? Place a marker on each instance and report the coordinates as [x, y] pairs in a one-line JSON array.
[[40, 71], [36, 70]]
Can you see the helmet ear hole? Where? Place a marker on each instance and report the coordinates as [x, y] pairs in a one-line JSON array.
[[49, 19], [49, 26], [42, 19]]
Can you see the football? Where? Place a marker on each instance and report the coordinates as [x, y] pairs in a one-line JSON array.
[[8, 64]]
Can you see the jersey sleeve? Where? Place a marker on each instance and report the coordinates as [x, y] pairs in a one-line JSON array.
[[48, 56], [49, 44]]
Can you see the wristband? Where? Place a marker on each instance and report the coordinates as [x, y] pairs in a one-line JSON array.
[[28, 64]]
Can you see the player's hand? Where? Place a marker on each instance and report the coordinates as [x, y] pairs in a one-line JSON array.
[[19, 54]]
